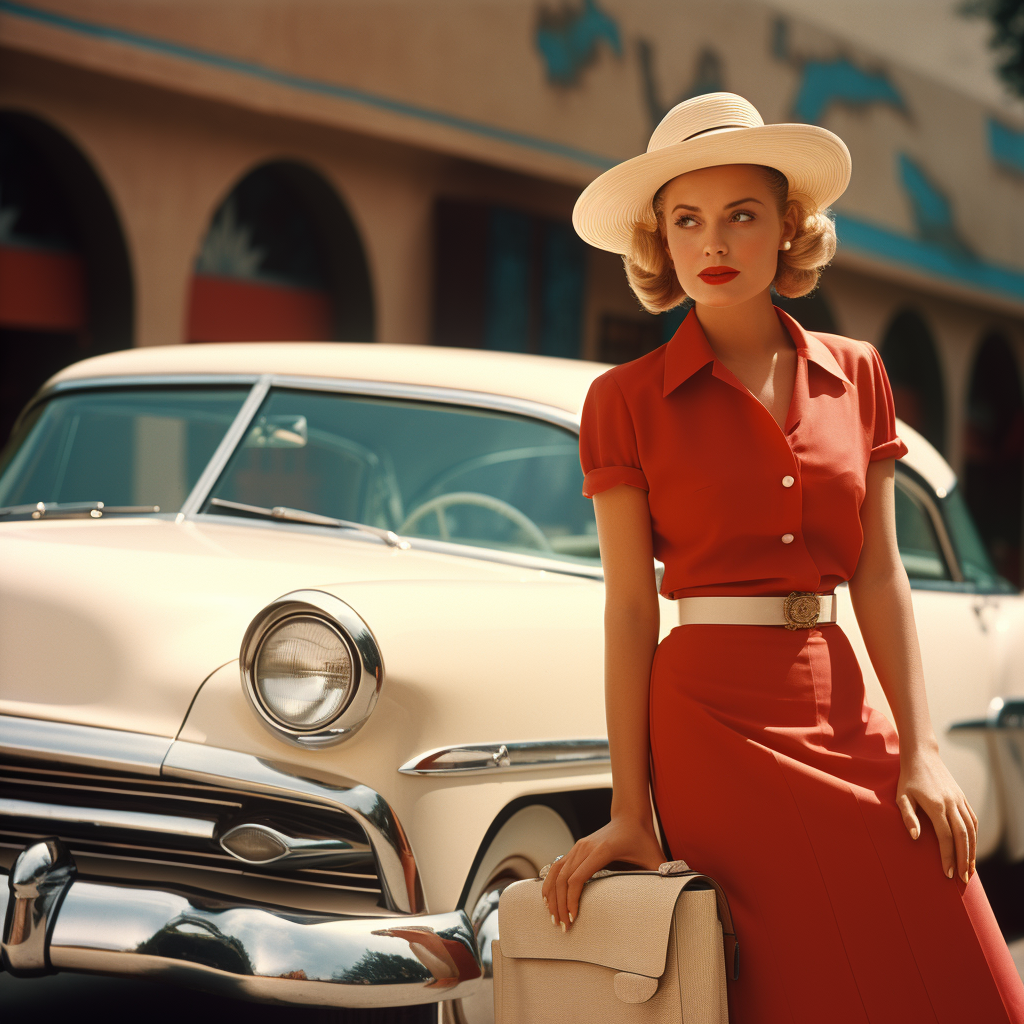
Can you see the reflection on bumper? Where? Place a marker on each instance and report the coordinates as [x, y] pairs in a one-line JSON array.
[[1004, 731], [197, 938]]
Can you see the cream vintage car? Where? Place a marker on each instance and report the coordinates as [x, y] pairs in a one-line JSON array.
[[302, 663]]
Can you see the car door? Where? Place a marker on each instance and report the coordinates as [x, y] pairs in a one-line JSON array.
[[958, 623]]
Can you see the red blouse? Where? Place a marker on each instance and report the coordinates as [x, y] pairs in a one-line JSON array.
[[739, 506]]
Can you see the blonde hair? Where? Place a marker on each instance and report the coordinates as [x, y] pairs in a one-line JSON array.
[[653, 278]]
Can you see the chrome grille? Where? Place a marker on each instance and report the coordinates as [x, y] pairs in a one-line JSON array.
[[38, 801]]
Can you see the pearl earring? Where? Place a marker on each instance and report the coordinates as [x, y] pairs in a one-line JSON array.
[[786, 245]]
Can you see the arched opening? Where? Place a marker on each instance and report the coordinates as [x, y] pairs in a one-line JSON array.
[[912, 364], [811, 312], [65, 278], [282, 260], [993, 477]]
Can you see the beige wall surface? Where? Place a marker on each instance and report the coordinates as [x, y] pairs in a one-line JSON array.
[[479, 78]]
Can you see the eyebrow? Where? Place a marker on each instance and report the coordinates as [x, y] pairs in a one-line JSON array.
[[728, 206]]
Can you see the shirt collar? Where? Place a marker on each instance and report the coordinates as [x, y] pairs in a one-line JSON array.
[[689, 350]]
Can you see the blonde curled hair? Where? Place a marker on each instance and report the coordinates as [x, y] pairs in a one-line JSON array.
[[653, 278]]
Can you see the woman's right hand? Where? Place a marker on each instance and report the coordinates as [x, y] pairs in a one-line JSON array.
[[621, 839]]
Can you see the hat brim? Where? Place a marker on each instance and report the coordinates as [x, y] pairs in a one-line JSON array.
[[814, 160]]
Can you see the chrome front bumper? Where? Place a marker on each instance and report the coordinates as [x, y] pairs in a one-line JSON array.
[[55, 921]]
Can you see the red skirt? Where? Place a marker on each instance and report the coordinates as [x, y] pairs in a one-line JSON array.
[[773, 776]]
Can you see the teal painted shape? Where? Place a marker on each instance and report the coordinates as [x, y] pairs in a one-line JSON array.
[[152, 44], [564, 276], [928, 258], [933, 213], [1006, 145], [840, 81], [507, 321], [569, 41]]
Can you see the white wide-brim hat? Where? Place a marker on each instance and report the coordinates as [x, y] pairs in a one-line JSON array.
[[708, 131]]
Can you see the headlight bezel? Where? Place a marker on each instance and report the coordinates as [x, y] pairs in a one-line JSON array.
[[367, 664]]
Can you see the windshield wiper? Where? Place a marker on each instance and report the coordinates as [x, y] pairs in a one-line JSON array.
[[76, 510], [298, 515]]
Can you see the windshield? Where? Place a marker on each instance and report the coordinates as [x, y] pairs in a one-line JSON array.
[[121, 446], [435, 471]]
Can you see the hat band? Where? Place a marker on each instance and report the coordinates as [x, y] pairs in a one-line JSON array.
[[717, 128]]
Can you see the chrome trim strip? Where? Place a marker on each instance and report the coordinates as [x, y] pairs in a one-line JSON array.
[[485, 758], [259, 952], [228, 443], [348, 624], [103, 817], [1003, 713], [433, 393], [129, 381], [229, 769], [295, 851], [39, 881], [39, 740], [927, 498]]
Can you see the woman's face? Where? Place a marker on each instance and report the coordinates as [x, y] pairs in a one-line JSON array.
[[723, 232]]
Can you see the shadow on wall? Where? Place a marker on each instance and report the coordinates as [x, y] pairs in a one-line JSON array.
[[65, 279]]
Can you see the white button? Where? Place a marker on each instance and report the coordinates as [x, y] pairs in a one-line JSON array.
[[787, 538], [788, 481]]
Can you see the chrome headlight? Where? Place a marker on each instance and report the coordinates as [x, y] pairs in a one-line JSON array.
[[311, 667]]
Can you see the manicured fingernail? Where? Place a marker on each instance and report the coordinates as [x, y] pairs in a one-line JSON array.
[[967, 877], [554, 920], [949, 873], [563, 927], [914, 833], [571, 918]]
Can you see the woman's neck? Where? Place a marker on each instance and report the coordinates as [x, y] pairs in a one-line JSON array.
[[748, 330]]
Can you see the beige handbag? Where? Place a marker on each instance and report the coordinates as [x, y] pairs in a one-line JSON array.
[[648, 947]]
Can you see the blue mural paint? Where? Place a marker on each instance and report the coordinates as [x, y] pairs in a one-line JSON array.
[[839, 81], [708, 77], [1006, 145], [933, 213], [569, 41], [920, 255], [507, 325], [564, 276], [311, 85]]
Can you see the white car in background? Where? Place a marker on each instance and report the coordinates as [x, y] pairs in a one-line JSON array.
[[282, 625]]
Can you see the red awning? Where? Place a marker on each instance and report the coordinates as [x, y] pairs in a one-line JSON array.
[[226, 309], [42, 289]]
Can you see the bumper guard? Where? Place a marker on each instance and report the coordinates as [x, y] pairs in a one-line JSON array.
[[54, 921]]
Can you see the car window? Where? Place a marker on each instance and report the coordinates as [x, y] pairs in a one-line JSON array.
[[918, 543], [438, 471], [975, 562], [123, 446]]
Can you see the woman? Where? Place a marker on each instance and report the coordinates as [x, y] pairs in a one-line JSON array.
[[756, 461]]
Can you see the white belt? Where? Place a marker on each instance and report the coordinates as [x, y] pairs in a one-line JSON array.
[[797, 611]]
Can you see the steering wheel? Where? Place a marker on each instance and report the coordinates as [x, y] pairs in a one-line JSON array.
[[438, 505]]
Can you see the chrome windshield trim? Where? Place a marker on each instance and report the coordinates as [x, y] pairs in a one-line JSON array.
[[228, 443], [486, 758], [105, 817], [927, 498], [433, 393], [229, 769], [38, 740]]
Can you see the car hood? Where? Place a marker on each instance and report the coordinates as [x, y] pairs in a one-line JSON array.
[[116, 623]]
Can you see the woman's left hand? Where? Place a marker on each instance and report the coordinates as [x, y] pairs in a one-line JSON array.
[[925, 784]]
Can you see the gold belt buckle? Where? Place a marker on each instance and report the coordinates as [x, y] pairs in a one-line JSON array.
[[801, 610]]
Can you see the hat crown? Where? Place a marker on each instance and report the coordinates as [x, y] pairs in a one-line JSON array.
[[706, 113]]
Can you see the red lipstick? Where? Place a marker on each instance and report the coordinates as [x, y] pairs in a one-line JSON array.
[[717, 275]]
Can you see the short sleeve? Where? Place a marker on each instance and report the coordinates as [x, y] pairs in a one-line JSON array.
[[885, 443], [608, 451]]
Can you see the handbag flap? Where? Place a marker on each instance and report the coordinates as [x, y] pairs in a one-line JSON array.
[[623, 923]]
